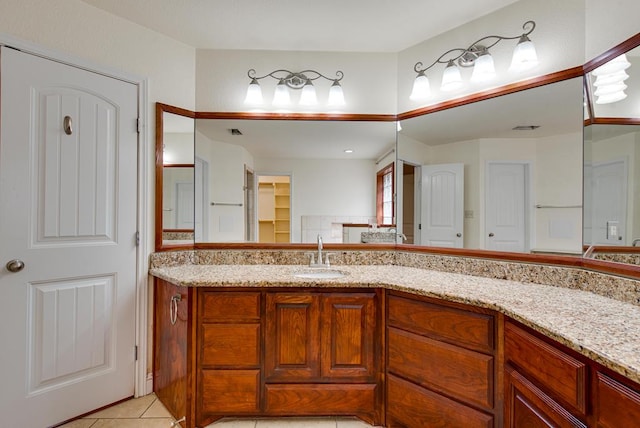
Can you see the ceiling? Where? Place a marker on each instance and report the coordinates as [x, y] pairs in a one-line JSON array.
[[301, 25]]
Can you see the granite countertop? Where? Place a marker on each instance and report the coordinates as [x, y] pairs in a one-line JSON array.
[[603, 329]]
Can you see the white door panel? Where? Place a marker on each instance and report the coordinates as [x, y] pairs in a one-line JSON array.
[[68, 211], [442, 205], [506, 207], [607, 217]]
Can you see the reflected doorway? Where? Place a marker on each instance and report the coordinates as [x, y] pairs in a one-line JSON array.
[[274, 208], [409, 175]]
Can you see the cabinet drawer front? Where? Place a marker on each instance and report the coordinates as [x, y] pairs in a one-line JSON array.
[[320, 399], [616, 404], [230, 306], [557, 373], [235, 345], [230, 391], [457, 372], [412, 406], [528, 406], [464, 328]]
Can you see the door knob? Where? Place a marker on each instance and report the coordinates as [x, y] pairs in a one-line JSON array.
[[15, 265], [491, 235], [459, 235]]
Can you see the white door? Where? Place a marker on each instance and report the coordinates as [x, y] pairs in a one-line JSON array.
[[68, 212], [442, 205], [608, 211], [185, 205], [506, 221], [201, 215]]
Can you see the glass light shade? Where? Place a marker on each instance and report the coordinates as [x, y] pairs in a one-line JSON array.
[[451, 77], [610, 89], [308, 96], [524, 56], [336, 95], [483, 68], [619, 63], [254, 93], [281, 96], [611, 98], [608, 79], [421, 88]]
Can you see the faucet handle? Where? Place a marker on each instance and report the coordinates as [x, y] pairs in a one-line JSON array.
[[312, 258], [326, 259]]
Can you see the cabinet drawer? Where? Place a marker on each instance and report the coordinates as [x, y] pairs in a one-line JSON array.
[[464, 328], [528, 406], [236, 345], [230, 306], [230, 391], [556, 372], [412, 406], [457, 372], [616, 404], [320, 399]]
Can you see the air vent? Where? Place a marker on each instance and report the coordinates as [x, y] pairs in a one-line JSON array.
[[235, 131], [526, 127]]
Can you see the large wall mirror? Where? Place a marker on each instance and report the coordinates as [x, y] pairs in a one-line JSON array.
[[612, 157], [500, 174]]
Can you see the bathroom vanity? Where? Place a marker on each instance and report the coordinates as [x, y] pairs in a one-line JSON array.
[[395, 346]]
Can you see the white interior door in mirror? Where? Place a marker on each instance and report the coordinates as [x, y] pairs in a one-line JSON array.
[[442, 205], [607, 214]]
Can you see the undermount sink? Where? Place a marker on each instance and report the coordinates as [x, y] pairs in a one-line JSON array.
[[320, 274]]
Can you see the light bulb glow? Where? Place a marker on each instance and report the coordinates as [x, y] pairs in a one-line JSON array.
[[608, 79], [619, 63], [336, 95], [254, 93], [483, 68], [524, 56], [451, 77], [421, 88], [308, 96], [281, 96], [611, 98]]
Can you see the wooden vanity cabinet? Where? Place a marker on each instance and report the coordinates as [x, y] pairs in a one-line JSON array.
[[321, 353], [442, 364]]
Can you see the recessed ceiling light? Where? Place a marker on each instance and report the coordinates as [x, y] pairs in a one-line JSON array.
[[348, 150]]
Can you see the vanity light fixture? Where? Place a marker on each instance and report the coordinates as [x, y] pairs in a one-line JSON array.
[[610, 79], [288, 80], [477, 55]]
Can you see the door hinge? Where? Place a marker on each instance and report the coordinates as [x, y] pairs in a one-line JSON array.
[[137, 239], [135, 353], [419, 226], [138, 125]]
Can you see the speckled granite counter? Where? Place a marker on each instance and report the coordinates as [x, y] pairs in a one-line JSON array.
[[603, 329]]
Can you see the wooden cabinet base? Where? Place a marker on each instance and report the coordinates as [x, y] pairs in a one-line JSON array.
[[322, 400]]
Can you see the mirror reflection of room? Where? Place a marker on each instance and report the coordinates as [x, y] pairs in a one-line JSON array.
[[332, 172], [501, 174]]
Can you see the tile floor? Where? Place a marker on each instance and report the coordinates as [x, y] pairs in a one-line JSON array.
[[148, 412]]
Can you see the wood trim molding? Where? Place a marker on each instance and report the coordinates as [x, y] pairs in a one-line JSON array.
[[617, 50], [298, 116]]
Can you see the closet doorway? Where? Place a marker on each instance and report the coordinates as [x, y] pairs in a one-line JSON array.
[[274, 208]]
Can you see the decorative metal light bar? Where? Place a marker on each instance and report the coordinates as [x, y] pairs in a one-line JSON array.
[[477, 56], [302, 80]]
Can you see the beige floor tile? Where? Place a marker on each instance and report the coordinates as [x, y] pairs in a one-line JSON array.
[[352, 423], [133, 423], [156, 410], [133, 408], [297, 423], [79, 423], [233, 423]]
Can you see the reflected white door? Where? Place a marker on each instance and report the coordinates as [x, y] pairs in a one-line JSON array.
[[609, 204], [68, 190], [185, 205], [442, 207], [505, 209]]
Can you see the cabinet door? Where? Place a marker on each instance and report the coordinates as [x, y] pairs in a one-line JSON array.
[[527, 406], [348, 336], [616, 404], [293, 337]]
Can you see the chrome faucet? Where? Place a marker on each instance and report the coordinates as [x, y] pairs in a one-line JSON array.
[[322, 261], [319, 249], [634, 243]]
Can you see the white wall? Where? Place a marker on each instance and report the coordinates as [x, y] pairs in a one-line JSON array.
[[325, 187], [609, 23], [369, 82]]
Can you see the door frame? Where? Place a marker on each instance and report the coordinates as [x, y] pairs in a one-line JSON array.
[[143, 384]]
